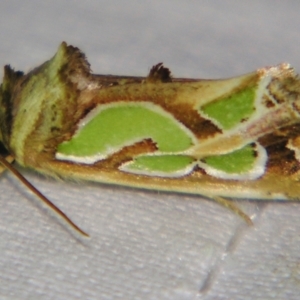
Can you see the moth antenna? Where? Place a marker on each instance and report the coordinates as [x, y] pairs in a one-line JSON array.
[[43, 198], [228, 204]]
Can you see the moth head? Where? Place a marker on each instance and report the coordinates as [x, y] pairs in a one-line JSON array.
[[7, 89]]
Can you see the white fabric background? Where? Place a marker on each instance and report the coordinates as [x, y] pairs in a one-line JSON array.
[[147, 245]]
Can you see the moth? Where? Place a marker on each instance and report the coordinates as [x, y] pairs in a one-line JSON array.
[[232, 138]]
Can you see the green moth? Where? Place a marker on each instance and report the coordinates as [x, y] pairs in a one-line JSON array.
[[236, 138]]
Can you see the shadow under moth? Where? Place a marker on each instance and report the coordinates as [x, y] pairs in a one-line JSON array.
[[232, 138]]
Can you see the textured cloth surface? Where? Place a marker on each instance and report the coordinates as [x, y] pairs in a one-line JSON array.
[[147, 245]]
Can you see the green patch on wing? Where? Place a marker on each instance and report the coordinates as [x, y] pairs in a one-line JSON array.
[[123, 124], [239, 161], [230, 111], [161, 163]]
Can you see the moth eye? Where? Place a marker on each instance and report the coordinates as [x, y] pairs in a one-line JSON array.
[[3, 150]]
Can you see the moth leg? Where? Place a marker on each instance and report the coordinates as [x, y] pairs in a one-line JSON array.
[[6, 163], [230, 205], [10, 159]]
